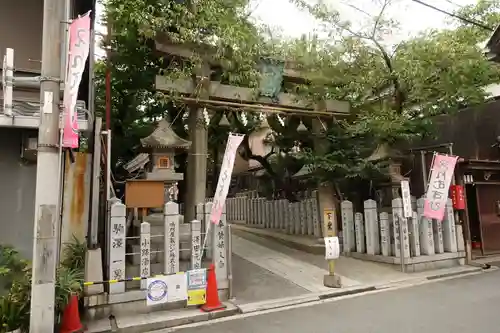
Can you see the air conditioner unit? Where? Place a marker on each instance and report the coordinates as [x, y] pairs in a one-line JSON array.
[[29, 147]]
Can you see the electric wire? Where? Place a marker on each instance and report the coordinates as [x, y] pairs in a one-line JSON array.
[[461, 18]]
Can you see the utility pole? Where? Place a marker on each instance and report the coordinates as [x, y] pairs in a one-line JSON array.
[[46, 224]]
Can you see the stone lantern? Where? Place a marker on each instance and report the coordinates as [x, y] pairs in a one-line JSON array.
[[394, 158], [162, 146]]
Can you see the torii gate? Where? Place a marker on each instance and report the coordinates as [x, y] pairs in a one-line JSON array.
[[214, 93]]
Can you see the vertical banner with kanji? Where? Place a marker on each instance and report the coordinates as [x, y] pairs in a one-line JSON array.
[[436, 196], [79, 47], [226, 170]]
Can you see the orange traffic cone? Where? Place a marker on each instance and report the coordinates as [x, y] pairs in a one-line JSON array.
[[213, 303], [70, 322]]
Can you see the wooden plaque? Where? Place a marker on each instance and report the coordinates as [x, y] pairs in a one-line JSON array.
[[144, 194]]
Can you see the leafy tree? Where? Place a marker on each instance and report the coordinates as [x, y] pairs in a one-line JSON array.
[[134, 24], [220, 25], [394, 89]]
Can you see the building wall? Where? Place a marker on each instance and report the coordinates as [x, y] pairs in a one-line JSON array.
[[17, 194], [21, 29], [473, 133], [21, 26], [26, 19]]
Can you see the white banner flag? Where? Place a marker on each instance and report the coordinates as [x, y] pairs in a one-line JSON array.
[[79, 48], [436, 197], [226, 170]]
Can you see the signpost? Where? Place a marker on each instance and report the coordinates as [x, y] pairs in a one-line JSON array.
[[332, 248], [403, 220]]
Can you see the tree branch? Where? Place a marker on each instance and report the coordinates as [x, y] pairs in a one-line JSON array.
[[379, 18], [399, 95], [247, 154]]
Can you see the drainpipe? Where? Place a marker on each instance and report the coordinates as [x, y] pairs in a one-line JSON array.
[[92, 229]]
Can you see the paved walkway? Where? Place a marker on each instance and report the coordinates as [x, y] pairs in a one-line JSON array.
[[354, 269], [264, 270], [303, 274]]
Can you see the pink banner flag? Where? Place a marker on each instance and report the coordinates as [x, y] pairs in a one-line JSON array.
[[79, 46], [436, 196], [226, 170]]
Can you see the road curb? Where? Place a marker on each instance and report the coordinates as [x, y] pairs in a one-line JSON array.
[[254, 308], [278, 303], [154, 321], [341, 293], [306, 298], [452, 274]]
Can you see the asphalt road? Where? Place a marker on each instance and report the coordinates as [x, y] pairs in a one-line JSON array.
[[468, 304]]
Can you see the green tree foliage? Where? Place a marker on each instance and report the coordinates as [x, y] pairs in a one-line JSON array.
[[394, 89], [222, 26], [134, 62]]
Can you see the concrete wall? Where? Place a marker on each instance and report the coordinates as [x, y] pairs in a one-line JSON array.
[[26, 19], [17, 196]]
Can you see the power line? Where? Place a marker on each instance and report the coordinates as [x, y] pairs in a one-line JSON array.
[[452, 3], [477, 24]]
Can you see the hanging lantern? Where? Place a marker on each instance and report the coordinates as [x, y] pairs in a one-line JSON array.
[[224, 122], [264, 123], [457, 197], [301, 127]]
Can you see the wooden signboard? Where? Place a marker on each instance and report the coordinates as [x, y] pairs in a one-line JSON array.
[[143, 193]]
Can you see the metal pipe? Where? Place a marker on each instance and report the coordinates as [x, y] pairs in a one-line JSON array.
[[424, 169], [230, 261], [108, 164], [62, 174], [442, 145], [92, 240], [28, 82], [93, 225]]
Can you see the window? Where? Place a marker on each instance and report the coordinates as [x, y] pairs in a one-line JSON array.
[[163, 163]]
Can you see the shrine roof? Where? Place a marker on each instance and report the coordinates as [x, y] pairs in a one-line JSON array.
[[164, 137]]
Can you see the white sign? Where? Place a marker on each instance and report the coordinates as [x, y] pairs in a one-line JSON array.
[[197, 286], [197, 278], [332, 248], [406, 196], [157, 291], [177, 287], [226, 170]]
